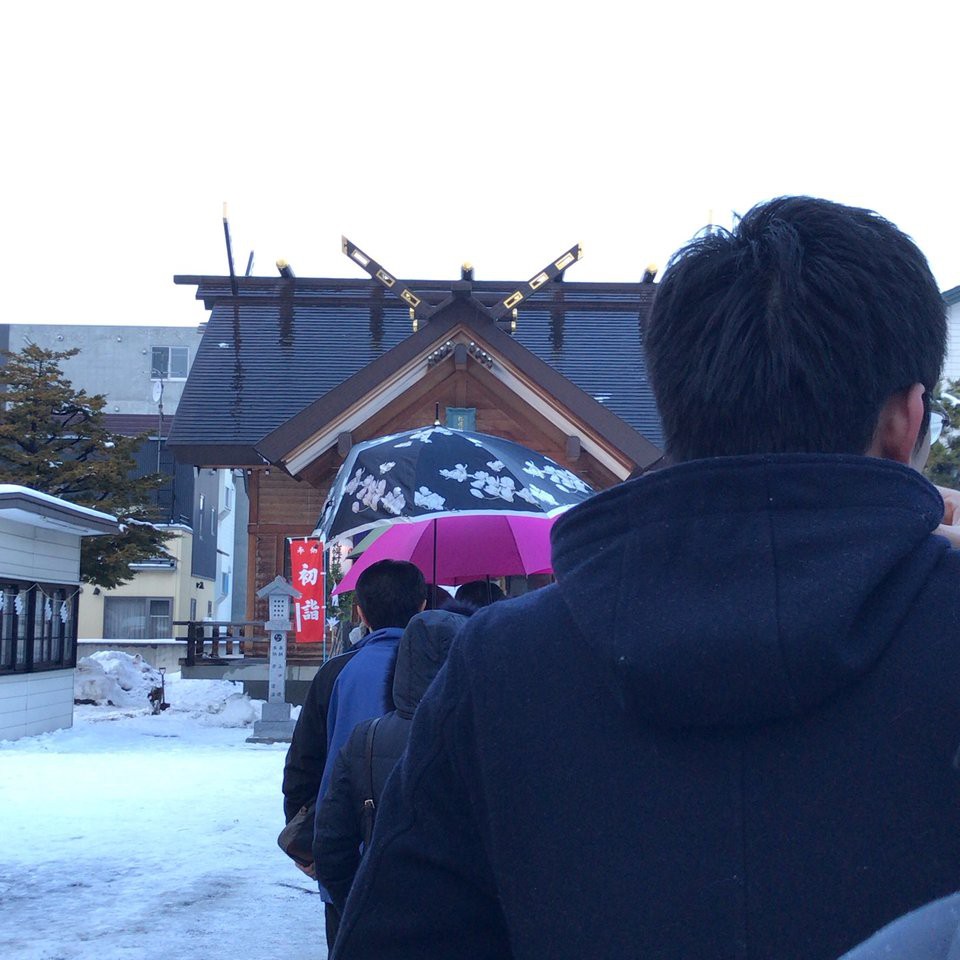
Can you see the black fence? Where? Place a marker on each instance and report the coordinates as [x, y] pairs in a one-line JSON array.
[[211, 641]]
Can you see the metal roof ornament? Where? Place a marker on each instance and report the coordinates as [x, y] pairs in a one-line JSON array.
[[504, 313], [550, 272]]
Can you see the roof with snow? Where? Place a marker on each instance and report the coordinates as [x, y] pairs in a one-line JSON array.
[[41, 509]]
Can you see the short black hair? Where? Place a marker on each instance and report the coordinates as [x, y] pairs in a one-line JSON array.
[[390, 592], [790, 332], [480, 593]]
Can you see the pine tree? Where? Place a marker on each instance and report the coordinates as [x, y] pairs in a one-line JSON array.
[[943, 465], [53, 438]]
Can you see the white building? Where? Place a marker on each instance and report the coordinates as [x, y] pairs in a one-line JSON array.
[[142, 371], [39, 592], [951, 368]]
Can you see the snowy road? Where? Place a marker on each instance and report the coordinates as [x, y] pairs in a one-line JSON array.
[[134, 836]]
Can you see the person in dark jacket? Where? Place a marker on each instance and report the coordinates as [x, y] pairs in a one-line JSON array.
[[754, 756], [348, 689], [480, 593], [340, 820], [930, 933]]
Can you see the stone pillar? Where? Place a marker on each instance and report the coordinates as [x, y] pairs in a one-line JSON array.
[[275, 724]]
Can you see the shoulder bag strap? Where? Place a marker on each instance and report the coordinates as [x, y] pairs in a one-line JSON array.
[[369, 805]]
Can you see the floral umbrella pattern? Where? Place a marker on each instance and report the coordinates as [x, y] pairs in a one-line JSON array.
[[437, 472]]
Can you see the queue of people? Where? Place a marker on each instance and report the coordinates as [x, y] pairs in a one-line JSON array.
[[754, 753], [392, 659]]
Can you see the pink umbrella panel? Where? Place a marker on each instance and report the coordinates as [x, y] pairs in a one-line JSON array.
[[468, 547]]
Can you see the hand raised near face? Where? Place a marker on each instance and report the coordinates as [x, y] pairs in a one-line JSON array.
[[950, 527]]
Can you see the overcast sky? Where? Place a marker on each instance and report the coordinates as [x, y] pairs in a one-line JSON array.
[[433, 133]]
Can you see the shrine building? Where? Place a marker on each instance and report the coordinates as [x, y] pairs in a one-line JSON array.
[[292, 371]]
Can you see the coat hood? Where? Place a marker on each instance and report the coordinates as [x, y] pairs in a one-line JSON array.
[[422, 652], [745, 589]]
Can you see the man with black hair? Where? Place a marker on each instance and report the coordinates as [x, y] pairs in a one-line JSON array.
[[370, 754], [755, 757], [479, 593], [349, 688]]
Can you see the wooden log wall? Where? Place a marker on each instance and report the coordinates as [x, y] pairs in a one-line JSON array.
[[281, 507]]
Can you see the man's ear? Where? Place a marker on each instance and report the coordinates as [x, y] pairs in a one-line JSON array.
[[899, 426], [362, 616]]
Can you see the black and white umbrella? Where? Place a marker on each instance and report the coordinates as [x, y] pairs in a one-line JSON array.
[[435, 472]]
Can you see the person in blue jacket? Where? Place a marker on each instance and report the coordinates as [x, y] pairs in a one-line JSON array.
[[365, 762], [753, 754], [351, 688], [930, 933]]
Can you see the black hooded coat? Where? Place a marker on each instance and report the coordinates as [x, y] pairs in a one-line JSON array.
[[752, 757], [338, 832]]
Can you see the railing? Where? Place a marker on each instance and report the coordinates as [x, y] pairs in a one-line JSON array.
[[229, 633]]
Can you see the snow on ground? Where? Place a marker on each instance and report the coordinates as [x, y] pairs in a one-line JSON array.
[[141, 836]]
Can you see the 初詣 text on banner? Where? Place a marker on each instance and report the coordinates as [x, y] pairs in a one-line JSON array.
[[306, 565]]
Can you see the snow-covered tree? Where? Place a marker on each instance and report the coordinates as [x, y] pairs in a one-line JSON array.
[[53, 438]]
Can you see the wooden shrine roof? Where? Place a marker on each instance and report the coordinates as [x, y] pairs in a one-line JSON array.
[[283, 344]]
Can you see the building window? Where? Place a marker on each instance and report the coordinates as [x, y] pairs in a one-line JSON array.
[[193, 609], [51, 644], [213, 521], [137, 618], [38, 629], [169, 363], [225, 583]]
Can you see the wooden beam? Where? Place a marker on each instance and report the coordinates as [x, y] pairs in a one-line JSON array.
[[320, 471], [344, 443], [253, 498], [286, 529], [528, 289]]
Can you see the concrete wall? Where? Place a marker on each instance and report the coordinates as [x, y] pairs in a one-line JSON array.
[[158, 653], [178, 583], [33, 703], [115, 361], [253, 674], [206, 487], [36, 553]]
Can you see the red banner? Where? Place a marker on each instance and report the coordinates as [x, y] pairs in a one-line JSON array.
[[306, 566]]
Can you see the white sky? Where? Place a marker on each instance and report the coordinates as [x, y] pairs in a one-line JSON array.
[[436, 132]]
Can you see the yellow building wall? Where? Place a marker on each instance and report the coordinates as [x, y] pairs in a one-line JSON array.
[[176, 583]]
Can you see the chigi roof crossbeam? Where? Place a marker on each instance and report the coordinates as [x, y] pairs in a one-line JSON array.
[[274, 346], [421, 309]]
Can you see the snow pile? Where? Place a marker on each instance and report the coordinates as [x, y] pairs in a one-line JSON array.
[[115, 679], [219, 703]]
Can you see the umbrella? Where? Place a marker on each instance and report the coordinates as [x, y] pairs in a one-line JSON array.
[[458, 549], [368, 540], [436, 472]]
